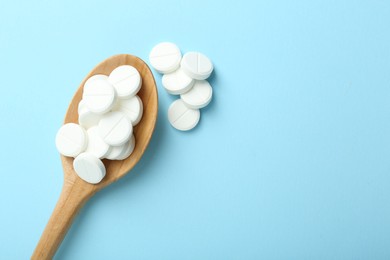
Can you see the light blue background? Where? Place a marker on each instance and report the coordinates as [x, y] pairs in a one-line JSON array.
[[289, 161]]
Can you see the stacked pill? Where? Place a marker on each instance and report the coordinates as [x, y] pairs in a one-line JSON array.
[[108, 111], [185, 76]]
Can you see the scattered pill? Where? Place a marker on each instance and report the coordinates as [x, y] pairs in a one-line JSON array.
[[89, 168], [188, 80], [115, 128], [99, 95], [132, 108], [129, 148], [96, 144], [196, 65], [126, 81], [165, 57], [199, 95], [177, 82], [182, 117], [71, 140]]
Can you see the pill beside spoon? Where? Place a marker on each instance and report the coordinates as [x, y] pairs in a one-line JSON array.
[[185, 76]]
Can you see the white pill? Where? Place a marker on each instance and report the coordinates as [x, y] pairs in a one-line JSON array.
[[71, 140], [182, 117], [199, 95], [165, 57], [96, 144], [129, 148], [115, 128], [89, 168], [177, 82], [132, 108], [94, 77], [99, 95], [196, 65], [116, 151], [81, 106], [126, 81], [87, 119]]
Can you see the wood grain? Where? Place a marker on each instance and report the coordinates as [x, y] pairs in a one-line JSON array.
[[75, 192]]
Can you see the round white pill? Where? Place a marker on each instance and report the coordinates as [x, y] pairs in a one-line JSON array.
[[132, 108], [165, 57], [89, 168], [96, 145], [115, 128], [199, 95], [126, 81], [116, 151], [71, 140], [81, 106], [196, 65], [94, 77], [182, 117], [98, 95], [87, 119], [129, 148], [177, 82]]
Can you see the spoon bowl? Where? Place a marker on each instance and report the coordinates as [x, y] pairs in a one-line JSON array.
[[75, 191]]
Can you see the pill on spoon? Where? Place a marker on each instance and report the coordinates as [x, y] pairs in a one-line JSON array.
[[89, 168], [129, 148], [182, 117], [115, 128], [199, 95], [196, 65], [126, 81], [99, 95], [165, 57], [116, 151], [71, 140], [94, 77], [96, 144], [177, 82], [81, 106], [132, 108], [87, 119]]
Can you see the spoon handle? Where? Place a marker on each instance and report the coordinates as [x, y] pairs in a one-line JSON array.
[[71, 200]]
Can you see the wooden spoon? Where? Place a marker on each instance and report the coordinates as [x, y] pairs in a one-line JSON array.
[[75, 191]]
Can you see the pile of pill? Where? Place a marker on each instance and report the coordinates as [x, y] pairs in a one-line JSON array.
[[107, 112], [185, 76]]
